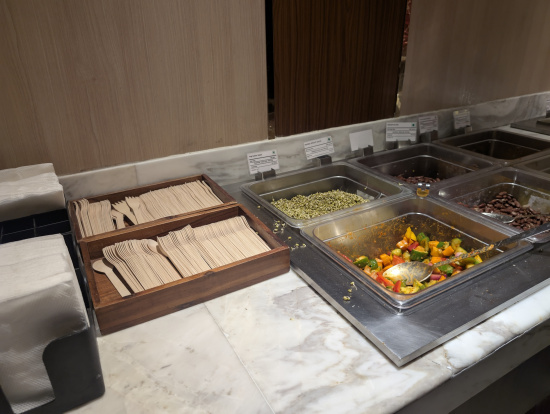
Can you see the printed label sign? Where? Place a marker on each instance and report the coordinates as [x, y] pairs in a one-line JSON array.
[[461, 119], [262, 161], [317, 147], [428, 123], [400, 131], [361, 139]]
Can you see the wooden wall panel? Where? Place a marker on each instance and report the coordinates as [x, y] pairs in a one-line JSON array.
[[93, 83], [336, 62], [471, 51]]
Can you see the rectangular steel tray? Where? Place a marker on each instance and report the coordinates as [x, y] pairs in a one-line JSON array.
[[404, 337], [336, 176], [424, 159], [498, 145], [541, 164], [529, 188], [533, 125], [378, 229]]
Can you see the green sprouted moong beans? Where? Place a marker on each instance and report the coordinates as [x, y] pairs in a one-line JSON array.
[[306, 207]]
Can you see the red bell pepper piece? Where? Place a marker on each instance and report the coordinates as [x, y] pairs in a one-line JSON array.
[[345, 257], [397, 286], [412, 246], [384, 281], [396, 260]]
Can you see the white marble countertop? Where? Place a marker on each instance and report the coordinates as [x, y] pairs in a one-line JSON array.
[[279, 347]]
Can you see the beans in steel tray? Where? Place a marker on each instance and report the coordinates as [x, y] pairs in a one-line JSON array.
[[415, 179], [317, 204], [505, 203]]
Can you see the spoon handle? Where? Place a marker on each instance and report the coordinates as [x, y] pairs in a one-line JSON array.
[[540, 229], [464, 256], [523, 235]]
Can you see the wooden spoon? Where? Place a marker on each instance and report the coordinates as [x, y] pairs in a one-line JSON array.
[[102, 266]]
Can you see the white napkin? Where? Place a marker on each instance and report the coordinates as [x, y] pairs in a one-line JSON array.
[[29, 190], [39, 301]]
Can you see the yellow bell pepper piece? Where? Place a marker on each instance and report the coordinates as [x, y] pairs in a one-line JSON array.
[[435, 252], [478, 258], [410, 235], [386, 260], [448, 251]]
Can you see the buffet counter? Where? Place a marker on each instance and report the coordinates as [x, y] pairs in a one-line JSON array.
[[279, 346]]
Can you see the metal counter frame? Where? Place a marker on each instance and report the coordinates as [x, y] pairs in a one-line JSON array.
[[402, 338]]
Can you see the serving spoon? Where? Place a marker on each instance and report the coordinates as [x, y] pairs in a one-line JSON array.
[[420, 271], [506, 219]]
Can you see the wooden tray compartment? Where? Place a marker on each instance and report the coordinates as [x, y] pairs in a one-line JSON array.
[[134, 192], [115, 313]]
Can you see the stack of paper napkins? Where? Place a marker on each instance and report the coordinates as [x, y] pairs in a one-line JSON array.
[[40, 301], [29, 190]]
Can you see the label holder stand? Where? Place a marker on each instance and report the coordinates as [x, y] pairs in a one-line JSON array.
[[259, 176]]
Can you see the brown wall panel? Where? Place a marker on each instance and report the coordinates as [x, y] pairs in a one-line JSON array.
[[92, 83], [336, 62], [470, 51]]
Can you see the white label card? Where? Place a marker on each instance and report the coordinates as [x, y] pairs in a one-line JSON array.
[[318, 147], [262, 161], [361, 139], [428, 123], [400, 131], [461, 118]]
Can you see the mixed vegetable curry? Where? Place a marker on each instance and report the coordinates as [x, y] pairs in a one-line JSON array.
[[416, 247]]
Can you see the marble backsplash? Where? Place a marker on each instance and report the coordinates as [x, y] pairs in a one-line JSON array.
[[229, 165]]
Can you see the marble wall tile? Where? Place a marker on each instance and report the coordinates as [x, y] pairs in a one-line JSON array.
[[229, 165], [97, 182]]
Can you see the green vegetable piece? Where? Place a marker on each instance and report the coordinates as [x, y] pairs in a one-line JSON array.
[[406, 256], [455, 243], [361, 261], [442, 245], [418, 256], [461, 250], [418, 285], [420, 237], [446, 269], [468, 261], [397, 252], [425, 243], [423, 240], [373, 264]]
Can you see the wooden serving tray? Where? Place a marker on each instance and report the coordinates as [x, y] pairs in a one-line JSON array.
[[134, 192], [115, 313]]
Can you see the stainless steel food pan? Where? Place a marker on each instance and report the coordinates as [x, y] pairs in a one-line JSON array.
[[336, 176], [540, 164], [529, 188], [377, 231], [424, 159], [498, 145]]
